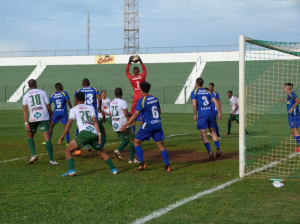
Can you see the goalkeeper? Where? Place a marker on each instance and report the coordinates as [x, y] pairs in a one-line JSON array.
[[293, 112]]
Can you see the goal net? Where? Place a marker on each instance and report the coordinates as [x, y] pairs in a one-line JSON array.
[[269, 148]]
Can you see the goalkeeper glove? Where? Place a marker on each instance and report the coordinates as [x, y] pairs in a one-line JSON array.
[[140, 60], [130, 60]]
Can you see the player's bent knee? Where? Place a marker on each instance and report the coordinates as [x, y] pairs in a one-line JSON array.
[[137, 142]]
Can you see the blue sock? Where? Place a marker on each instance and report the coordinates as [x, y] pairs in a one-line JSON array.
[[165, 157], [297, 139], [207, 146], [50, 135], [67, 138], [133, 128], [77, 131], [217, 144], [217, 129], [139, 153]]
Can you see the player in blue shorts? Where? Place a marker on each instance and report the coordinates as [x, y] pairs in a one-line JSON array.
[[293, 112], [91, 96], [140, 118], [60, 99], [150, 107], [202, 105], [211, 88]]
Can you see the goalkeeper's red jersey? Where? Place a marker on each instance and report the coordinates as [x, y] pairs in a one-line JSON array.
[[136, 81]]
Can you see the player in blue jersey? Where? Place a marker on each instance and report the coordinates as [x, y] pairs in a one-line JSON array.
[[150, 107], [293, 112], [140, 118], [91, 96], [60, 99], [211, 87], [202, 105]]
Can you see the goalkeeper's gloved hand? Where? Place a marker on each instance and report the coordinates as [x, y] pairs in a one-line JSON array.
[[140, 60], [130, 60]]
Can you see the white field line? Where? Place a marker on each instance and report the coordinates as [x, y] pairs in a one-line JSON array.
[[203, 193], [10, 160]]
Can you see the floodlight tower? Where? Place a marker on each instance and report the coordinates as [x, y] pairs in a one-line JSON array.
[[131, 27], [88, 33]]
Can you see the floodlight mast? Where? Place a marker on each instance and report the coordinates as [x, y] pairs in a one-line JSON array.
[[131, 27], [88, 33]]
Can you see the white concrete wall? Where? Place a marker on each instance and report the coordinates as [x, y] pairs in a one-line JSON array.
[[123, 59]]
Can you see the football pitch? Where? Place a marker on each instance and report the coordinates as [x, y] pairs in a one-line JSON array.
[[37, 193]]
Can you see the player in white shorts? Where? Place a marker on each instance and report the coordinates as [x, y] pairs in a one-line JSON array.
[[89, 133]]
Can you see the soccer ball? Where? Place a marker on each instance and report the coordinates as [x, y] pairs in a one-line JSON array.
[[135, 58]]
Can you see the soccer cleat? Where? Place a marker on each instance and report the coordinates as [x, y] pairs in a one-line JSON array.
[[134, 161], [70, 173], [114, 171], [219, 153], [297, 149], [167, 168], [208, 134], [142, 167], [67, 143], [53, 163], [43, 143], [77, 153], [211, 155], [227, 134], [118, 155], [88, 148], [32, 159]]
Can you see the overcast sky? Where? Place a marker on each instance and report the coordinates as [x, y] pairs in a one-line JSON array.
[[62, 24]]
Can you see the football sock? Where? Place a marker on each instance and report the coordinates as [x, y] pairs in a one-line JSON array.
[[50, 150], [31, 146], [131, 150], [110, 164], [103, 141], [87, 146], [139, 153], [123, 144], [67, 138], [50, 135], [77, 131], [217, 144], [229, 127], [217, 129], [207, 146], [133, 129], [70, 163], [165, 156], [297, 139]]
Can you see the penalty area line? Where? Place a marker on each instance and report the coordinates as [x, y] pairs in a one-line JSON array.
[[165, 210]]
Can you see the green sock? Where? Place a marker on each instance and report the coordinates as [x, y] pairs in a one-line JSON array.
[[110, 164], [50, 150], [103, 141], [123, 145], [132, 151], [229, 127], [31, 146], [70, 163]]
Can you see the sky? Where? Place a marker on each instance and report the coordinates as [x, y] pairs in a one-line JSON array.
[[34, 25]]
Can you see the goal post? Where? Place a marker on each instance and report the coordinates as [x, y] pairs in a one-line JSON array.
[[264, 68]]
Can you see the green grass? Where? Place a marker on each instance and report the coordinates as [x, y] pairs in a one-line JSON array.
[[36, 193]]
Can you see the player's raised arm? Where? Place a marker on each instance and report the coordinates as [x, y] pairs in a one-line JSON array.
[[129, 76], [144, 74]]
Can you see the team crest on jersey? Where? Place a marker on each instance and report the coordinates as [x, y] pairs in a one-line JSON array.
[[115, 126], [37, 115], [293, 124], [90, 128]]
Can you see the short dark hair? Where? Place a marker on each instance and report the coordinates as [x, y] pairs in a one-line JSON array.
[[289, 84], [103, 90], [57, 84], [199, 82], [118, 92], [80, 96], [212, 84], [136, 68], [32, 83], [230, 91], [206, 89], [86, 82], [145, 86]]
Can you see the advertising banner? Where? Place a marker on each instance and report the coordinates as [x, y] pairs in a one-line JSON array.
[[104, 59]]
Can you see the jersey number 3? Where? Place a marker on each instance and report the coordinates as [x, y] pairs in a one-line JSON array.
[[205, 101]]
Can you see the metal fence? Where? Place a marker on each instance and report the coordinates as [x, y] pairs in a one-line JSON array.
[[144, 50]]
